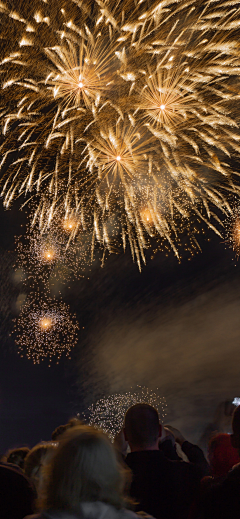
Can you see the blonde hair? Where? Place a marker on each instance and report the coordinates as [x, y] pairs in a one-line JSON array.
[[83, 468], [35, 461]]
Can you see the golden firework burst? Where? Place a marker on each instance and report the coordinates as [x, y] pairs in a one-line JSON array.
[[45, 329], [119, 154], [108, 110], [166, 96], [82, 72]]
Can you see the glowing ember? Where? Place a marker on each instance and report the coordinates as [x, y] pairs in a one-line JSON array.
[[146, 216], [45, 323], [69, 225], [48, 255]]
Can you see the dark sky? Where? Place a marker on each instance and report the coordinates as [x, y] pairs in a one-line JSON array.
[[174, 326], [34, 399]]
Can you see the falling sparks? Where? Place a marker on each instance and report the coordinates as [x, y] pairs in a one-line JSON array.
[[108, 413], [236, 236], [45, 330], [232, 227], [122, 113]]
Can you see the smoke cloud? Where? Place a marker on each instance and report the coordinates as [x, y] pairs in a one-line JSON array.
[[188, 349]]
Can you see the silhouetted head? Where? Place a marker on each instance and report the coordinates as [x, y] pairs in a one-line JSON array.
[[142, 428]]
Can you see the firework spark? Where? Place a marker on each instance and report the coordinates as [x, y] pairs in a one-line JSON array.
[[124, 113], [232, 228], [108, 413], [45, 329]]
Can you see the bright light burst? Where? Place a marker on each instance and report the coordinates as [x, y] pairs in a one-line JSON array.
[[45, 329], [108, 413], [46, 323], [69, 224], [166, 96], [81, 71], [122, 113]]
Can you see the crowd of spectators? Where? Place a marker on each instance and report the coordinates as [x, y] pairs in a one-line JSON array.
[[149, 470]]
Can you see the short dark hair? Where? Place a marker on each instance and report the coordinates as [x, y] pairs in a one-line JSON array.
[[83, 468], [142, 425]]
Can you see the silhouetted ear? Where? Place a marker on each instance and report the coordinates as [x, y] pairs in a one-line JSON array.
[[125, 436], [160, 431]]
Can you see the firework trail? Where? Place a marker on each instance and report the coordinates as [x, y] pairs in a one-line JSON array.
[[125, 113]]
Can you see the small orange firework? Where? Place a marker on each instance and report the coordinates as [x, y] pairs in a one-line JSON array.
[[45, 329]]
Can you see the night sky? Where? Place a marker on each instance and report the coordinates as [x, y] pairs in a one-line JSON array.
[[173, 326]]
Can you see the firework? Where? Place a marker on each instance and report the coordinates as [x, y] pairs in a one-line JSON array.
[[69, 224], [45, 329], [53, 253], [108, 413], [124, 115], [236, 236], [232, 228]]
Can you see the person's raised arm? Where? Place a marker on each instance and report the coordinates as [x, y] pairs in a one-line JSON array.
[[193, 452]]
